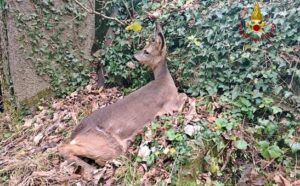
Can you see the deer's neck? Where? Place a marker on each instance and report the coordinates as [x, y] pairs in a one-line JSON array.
[[161, 70]]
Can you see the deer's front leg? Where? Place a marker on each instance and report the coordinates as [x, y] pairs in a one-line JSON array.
[[172, 105]]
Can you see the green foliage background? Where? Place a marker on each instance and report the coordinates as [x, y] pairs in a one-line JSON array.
[[208, 57]]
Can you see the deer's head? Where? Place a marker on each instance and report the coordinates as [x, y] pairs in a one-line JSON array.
[[154, 52]]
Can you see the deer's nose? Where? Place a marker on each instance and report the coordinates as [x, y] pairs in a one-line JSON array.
[[135, 57]]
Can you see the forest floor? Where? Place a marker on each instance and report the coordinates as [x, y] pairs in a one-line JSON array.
[[168, 151]]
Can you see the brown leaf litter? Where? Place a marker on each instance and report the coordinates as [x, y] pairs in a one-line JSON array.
[[29, 156]]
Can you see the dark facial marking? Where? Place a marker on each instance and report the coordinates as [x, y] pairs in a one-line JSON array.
[[162, 40]]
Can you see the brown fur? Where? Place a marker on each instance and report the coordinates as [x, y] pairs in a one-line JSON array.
[[105, 133]]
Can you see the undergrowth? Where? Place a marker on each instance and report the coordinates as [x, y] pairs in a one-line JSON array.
[[245, 126], [209, 57]]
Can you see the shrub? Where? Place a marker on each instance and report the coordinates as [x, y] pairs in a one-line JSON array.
[[207, 54]]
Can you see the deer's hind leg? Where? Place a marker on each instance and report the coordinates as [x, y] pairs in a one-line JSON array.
[[70, 153], [94, 146]]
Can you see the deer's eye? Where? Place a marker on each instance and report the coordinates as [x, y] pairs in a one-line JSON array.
[[146, 52]]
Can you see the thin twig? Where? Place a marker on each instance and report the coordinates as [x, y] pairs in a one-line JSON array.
[[98, 13], [269, 163], [92, 5], [125, 4], [132, 5], [290, 86], [227, 158]]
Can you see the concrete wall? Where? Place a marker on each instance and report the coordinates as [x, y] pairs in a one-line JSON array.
[[26, 82]]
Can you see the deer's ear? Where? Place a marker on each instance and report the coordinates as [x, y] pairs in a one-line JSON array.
[[158, 27], [159, 36]]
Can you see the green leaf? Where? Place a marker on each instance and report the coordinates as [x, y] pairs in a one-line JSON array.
[[180, 2], [263, 144], [235, 92], [274, 151], [171, 134], [241, 144], [271, 128], [265, 154], [276, 110], [220, 123], [263, 148], [245, 102]]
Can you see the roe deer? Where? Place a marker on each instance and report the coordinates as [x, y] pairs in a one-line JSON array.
[[105, 133]]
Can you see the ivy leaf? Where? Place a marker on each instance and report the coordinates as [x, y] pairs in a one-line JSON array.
[[241, 144], [276, 110], [245, 102], [235, 92], [263, 148], [265, 153], [180, 3], [263, 144], [274, 151], [171, 134]]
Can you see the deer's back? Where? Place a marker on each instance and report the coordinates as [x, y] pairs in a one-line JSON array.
[[132, 112]]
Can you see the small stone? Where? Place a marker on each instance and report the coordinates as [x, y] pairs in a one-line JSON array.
[[189, 130], [144, 152]]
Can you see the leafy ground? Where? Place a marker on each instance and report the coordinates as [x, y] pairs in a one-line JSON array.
[[243, 129], [187, 148]]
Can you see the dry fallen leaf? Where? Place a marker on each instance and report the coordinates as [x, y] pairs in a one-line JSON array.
[[191, 113], [281, 181], [58, 104], [89, 88], [211, 119], [28, 122], [37, 139], [251, 177], [154, 14]]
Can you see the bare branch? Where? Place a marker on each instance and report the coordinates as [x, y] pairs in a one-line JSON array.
[[132, 5], [125, 4], [98, 13]]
